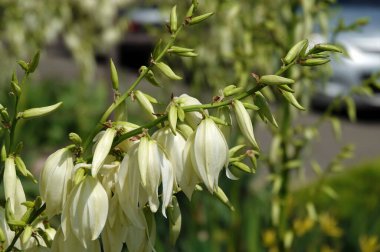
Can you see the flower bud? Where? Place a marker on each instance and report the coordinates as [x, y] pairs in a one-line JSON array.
[[177, 49], [173, 19], [231, 90], [200, 18], [37, 112], [314, 62], [209, 153], [172, 116], [32, 66], [15, 88], [244, 122], [295, 51], [75, 138], [102, 150], [275, 80], [292, 100], [145, 103], [325, 47], [56, 180], [166, 70], [114, 76]]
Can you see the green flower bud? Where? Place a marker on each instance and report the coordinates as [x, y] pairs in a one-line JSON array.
[[172, 116], [37, 112], [314, 62], [23, 65], [187, 54], [275, 80], [250, 106], [177, 49], [291, 99], [235, 149], [114, 76], [243, 167], [173, 19], [325, 47], [15, 88], [295, 51], [198, 19], [166, 70], [145, 103], [231, 90], [189, 13], [34, 63], [223, 198], [150, 77], [75, 138]]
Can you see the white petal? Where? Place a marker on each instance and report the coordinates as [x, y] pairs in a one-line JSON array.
[[56, 180], [143, 158], [167, 181], [102, 149], [189, 176], [88, 209], [244, 122], [10, 181], [210, 153]]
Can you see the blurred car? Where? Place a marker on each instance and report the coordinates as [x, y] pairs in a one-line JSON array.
[[363, 47], [137, 44]]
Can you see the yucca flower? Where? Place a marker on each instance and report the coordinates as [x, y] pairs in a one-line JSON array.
[[174, 146], [209, 153], [70, 243], [56, 180], [86, 211], [154, 167]]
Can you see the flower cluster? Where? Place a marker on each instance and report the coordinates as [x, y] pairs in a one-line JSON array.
[[115, 195]]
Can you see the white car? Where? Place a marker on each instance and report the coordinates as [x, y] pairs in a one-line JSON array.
[[363, 47]]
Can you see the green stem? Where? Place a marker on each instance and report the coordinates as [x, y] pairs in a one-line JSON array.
[[127, 93], [19, 232]]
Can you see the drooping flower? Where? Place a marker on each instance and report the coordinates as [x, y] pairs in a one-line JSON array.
[[155, 167], [56, 180], [209, 153], [174, 146], [70, 243], [86, 211]]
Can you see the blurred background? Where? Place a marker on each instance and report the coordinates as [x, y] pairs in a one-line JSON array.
[[77, 38]]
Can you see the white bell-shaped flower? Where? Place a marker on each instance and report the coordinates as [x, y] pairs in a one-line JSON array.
[[154, 166], [86, 211], [209, 153], [13, 188], [190, 177], [174, 146], [56, 180], [128, 187]]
